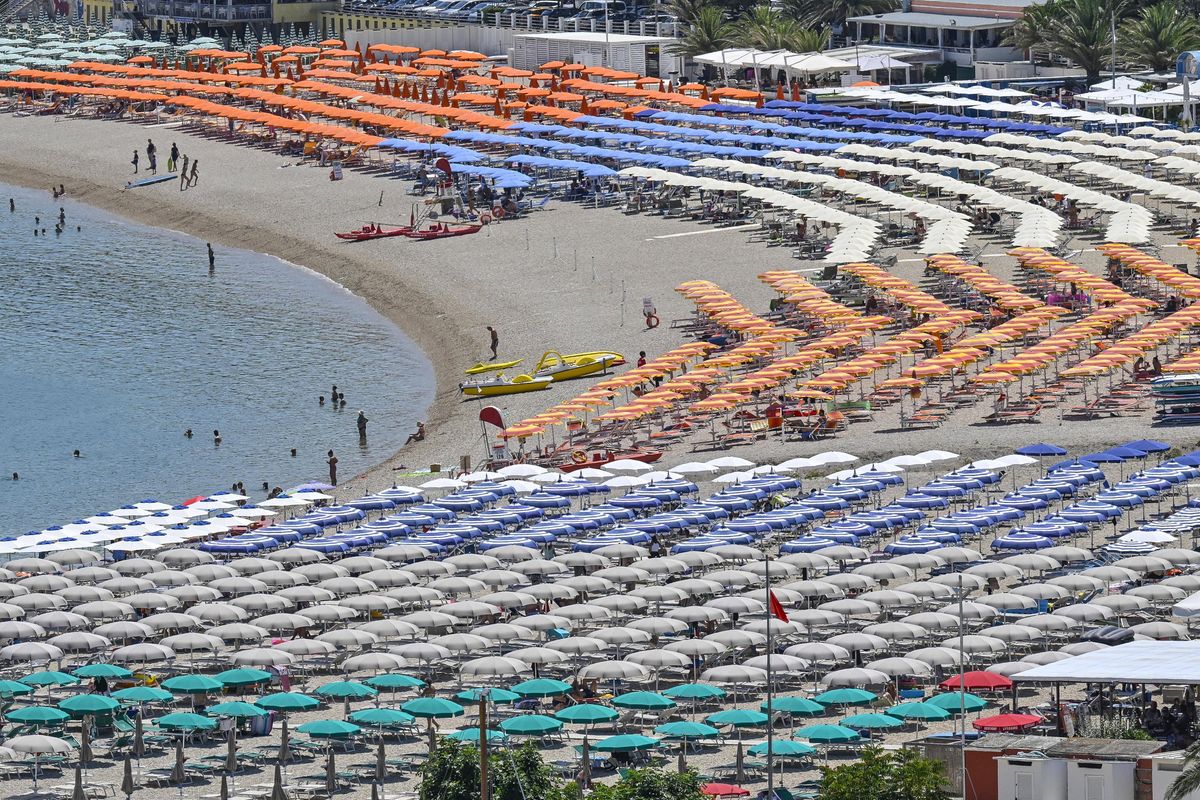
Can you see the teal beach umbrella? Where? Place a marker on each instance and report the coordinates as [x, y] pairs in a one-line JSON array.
[[83, 704], [394, 680], [694, 691], [185, 721], [433, 708], [192, 684], [38, 715], [381, 717], [783, 748], [827, 734], [530, 725], [795, 705], [625, 743], [925, 712], [586, 714], [49, 678], [287, 701], [644, 701], [845, 697], [871, 722], [329, 729], [236, 709], [686, 730], [954, 702], [498, 696], [471, 736], [737, 717], [541, 687], [242, 676], [102, 671]]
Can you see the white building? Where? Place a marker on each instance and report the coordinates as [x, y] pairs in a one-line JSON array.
[[645, 55]]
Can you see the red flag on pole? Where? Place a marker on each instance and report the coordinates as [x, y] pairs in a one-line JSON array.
[[776, 607]]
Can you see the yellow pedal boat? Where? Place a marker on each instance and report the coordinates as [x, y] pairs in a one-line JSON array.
[[491, 366], [558, 367], [500, 385]]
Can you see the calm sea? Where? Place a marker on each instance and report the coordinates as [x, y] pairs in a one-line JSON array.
[[115, 339]]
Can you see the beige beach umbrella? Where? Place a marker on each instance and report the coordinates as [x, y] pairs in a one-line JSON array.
[[123, 586], [550, 591], [185, 557], [262, 657], [79, 642], [142, 653], [300, 595], [218, 613], [390, 577], [373, 662], [389, 629], [124, 631], [349, 639], [320, 571], [280, 579], [189, 595], [424, 652], [614, 670], [473, 562]]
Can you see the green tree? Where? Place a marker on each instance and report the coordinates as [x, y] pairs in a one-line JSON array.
[[650, 784], [1156, 36], [764, 28], [514, 774], [879, 775], [1081, 30], [707, 33], [818, 14], [1189, 779], [1030, 30]]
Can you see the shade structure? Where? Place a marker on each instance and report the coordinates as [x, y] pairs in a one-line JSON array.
[[643, 701], [394, 680], [49, 677], [1006, 722], [287, 701], [236, 709], [530, 725], [845, 697], [977, 680], [142, 694], [347, 690], [925, 712], [686, 730], [542, 687], [185, 721], [193, 684], [867, 722], [723, 790], [432, 708], [498, 696], [37, 715], [794, 705], [694, 691], [101, 670], [586, 714], [956, 701], [83, 704], [737, 717], [782, 748], [625, 743], [243, 676], [328, 729], [826, 734], [381, 717]]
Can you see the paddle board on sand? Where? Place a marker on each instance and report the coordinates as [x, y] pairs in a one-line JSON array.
[[150, 181]]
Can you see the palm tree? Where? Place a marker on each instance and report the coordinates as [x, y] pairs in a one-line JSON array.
[[708, 32], [1081, 30], [764, 28], [809, 40], [687, 10], [1030, 30], [829, 13], [1189, 779], [1158, 35]]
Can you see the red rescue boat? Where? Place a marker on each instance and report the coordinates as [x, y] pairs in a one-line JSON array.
[[369, 232], [581, 459], [440, 230]]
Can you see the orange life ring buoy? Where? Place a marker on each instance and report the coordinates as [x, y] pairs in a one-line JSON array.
[[497, 212], [579, 457], [651, 321], [485, 219]]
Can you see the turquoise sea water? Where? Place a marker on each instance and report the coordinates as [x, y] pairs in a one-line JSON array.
[[115, 339]]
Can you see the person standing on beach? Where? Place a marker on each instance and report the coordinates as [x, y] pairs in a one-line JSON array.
[[173, 160], [183, 174], [194, 178], [153, 161], [135, 162], [332, 462], [151, 153], [495, 341]]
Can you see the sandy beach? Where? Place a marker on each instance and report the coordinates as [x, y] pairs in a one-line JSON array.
[[568, 278]]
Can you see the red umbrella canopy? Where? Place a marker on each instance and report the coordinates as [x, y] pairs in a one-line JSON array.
[[724, 790], [1006, 722], [977, 680]]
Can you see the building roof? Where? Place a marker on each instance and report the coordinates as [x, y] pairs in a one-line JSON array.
[[1078, 747], [590, 37], [908, 55], [947, 21], [1167, 663]]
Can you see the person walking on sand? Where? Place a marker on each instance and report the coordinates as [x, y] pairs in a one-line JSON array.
[[183, 174], [135, 162], [194, 178], [495, 341], [173, 159], [152, 156], [332, 462]]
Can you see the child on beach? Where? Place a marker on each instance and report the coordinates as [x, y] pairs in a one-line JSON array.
[[135, 162]]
